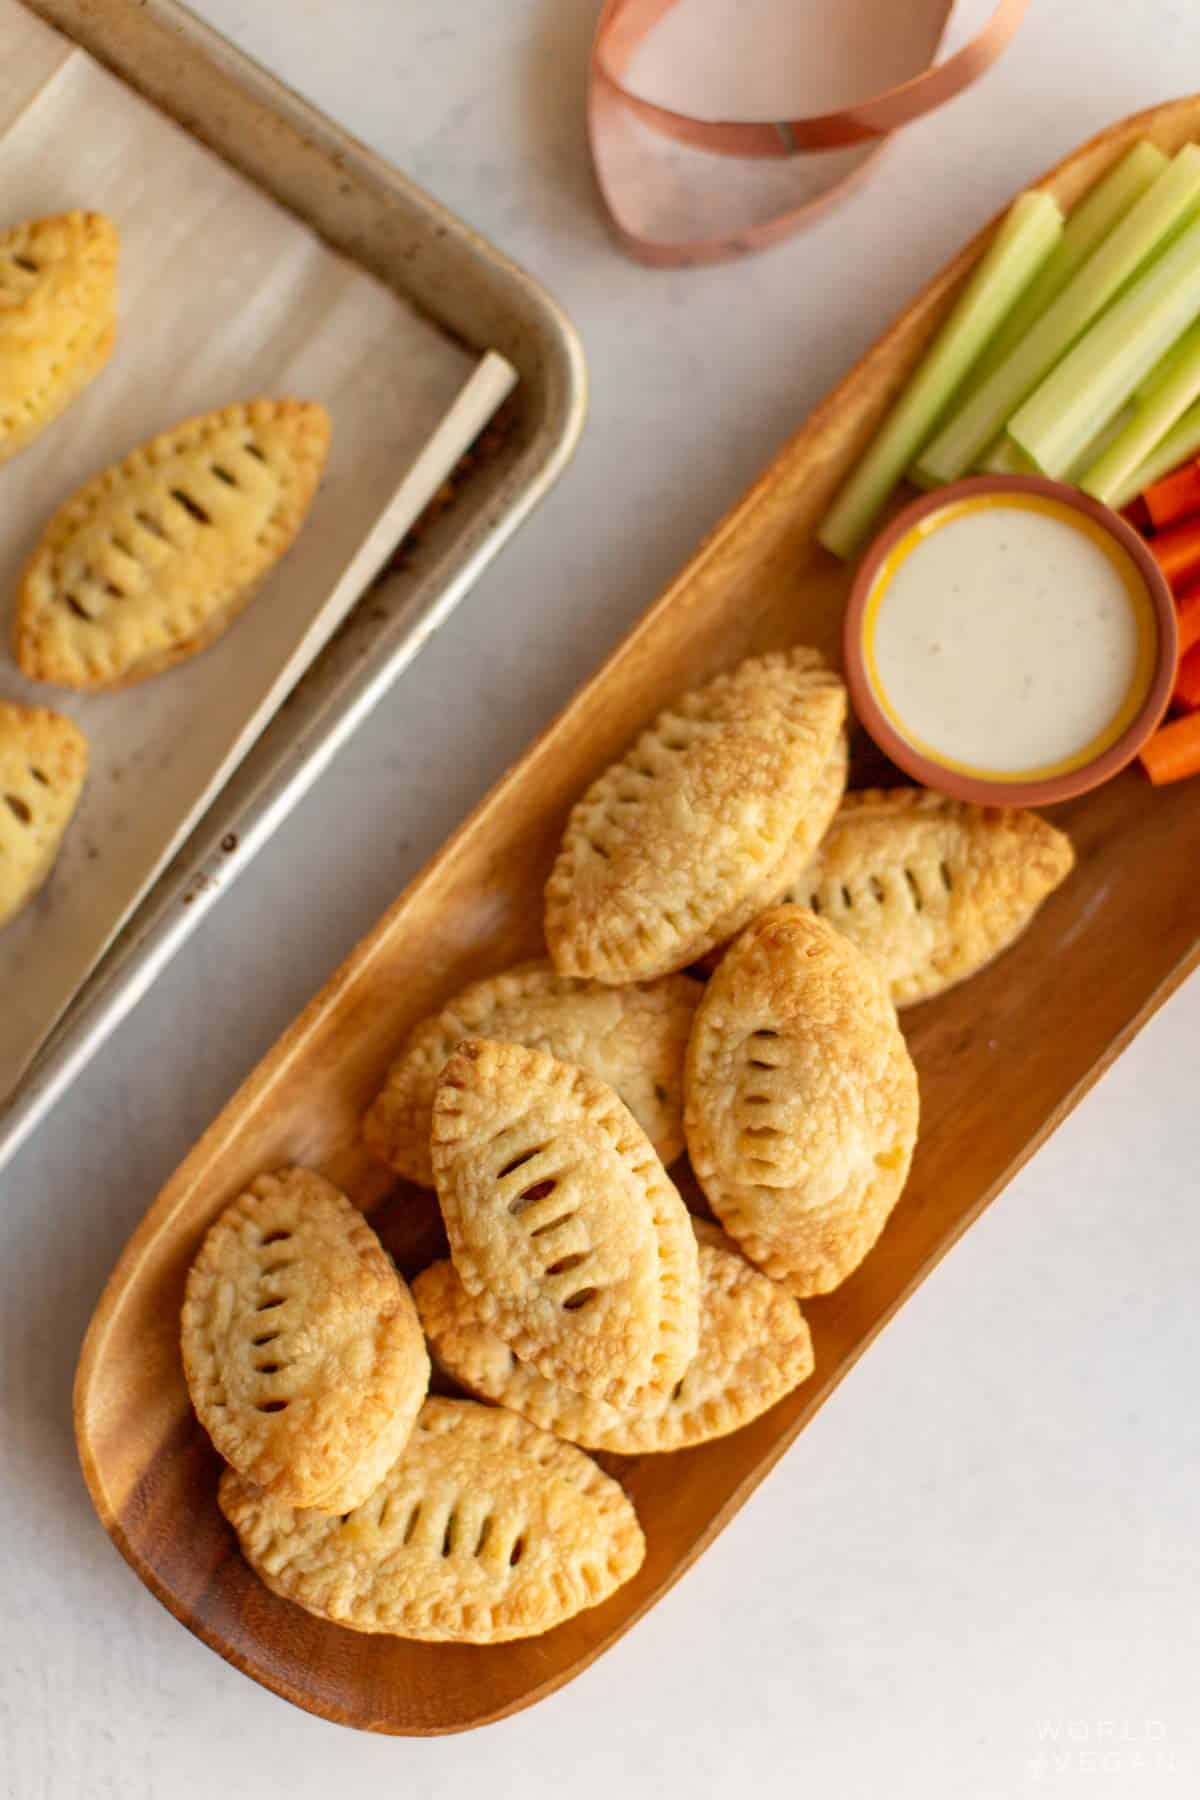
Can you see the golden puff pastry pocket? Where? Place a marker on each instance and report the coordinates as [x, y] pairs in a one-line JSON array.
[[754, 1347], [931, 888], [675, 846], [801, 1100], [484, 1530], [152, 560], [563, 1224], [301, 1345], [634, 1038], [43, 763], [58, 318], [827, 795]]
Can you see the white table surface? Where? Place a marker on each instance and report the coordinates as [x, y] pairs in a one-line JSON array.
[[977, 1573]]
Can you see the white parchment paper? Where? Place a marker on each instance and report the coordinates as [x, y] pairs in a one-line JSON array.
[[224, 295]]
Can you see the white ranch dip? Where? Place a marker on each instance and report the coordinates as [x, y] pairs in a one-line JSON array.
[[1005, 635]]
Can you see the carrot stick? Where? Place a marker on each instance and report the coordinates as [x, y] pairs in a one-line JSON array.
[[1188, 619], [1177, 551], [1173, 752], [1186, 695], [1137, 514], [1176, 496]]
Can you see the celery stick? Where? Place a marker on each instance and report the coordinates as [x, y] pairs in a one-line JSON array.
[[1152, 418], [1025, 238], [1099, 444], [1087, 224], [1006, 458], [1166, 365], [1126, 248], [912, 475], [1181, 442], [1096, 377]]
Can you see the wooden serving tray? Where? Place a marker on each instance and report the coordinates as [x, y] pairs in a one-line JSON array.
[[1001, 1061]]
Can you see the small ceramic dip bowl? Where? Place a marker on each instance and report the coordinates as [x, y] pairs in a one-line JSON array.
[[1010, 641]]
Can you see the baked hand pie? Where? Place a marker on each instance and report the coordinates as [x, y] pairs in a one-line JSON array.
[[828, 795], [152, 560], [801, 1100], [677, 845], [563, 1225], [43, 763], [931, 888], [58, 318], [633, 1038], [485, 1529], [301, 1345], [754, 1347]]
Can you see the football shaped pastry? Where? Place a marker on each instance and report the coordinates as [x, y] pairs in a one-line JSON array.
[[484, 1529], [754, 1348], [931, 888], [634, 1038], [58, 318], [827, 794], [714, 809], [801, 1100], [152, 560], [563, 1224], [301, 1346], [43, 762]]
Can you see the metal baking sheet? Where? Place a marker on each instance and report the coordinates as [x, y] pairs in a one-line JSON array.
[[372, 214], [223, 295]]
